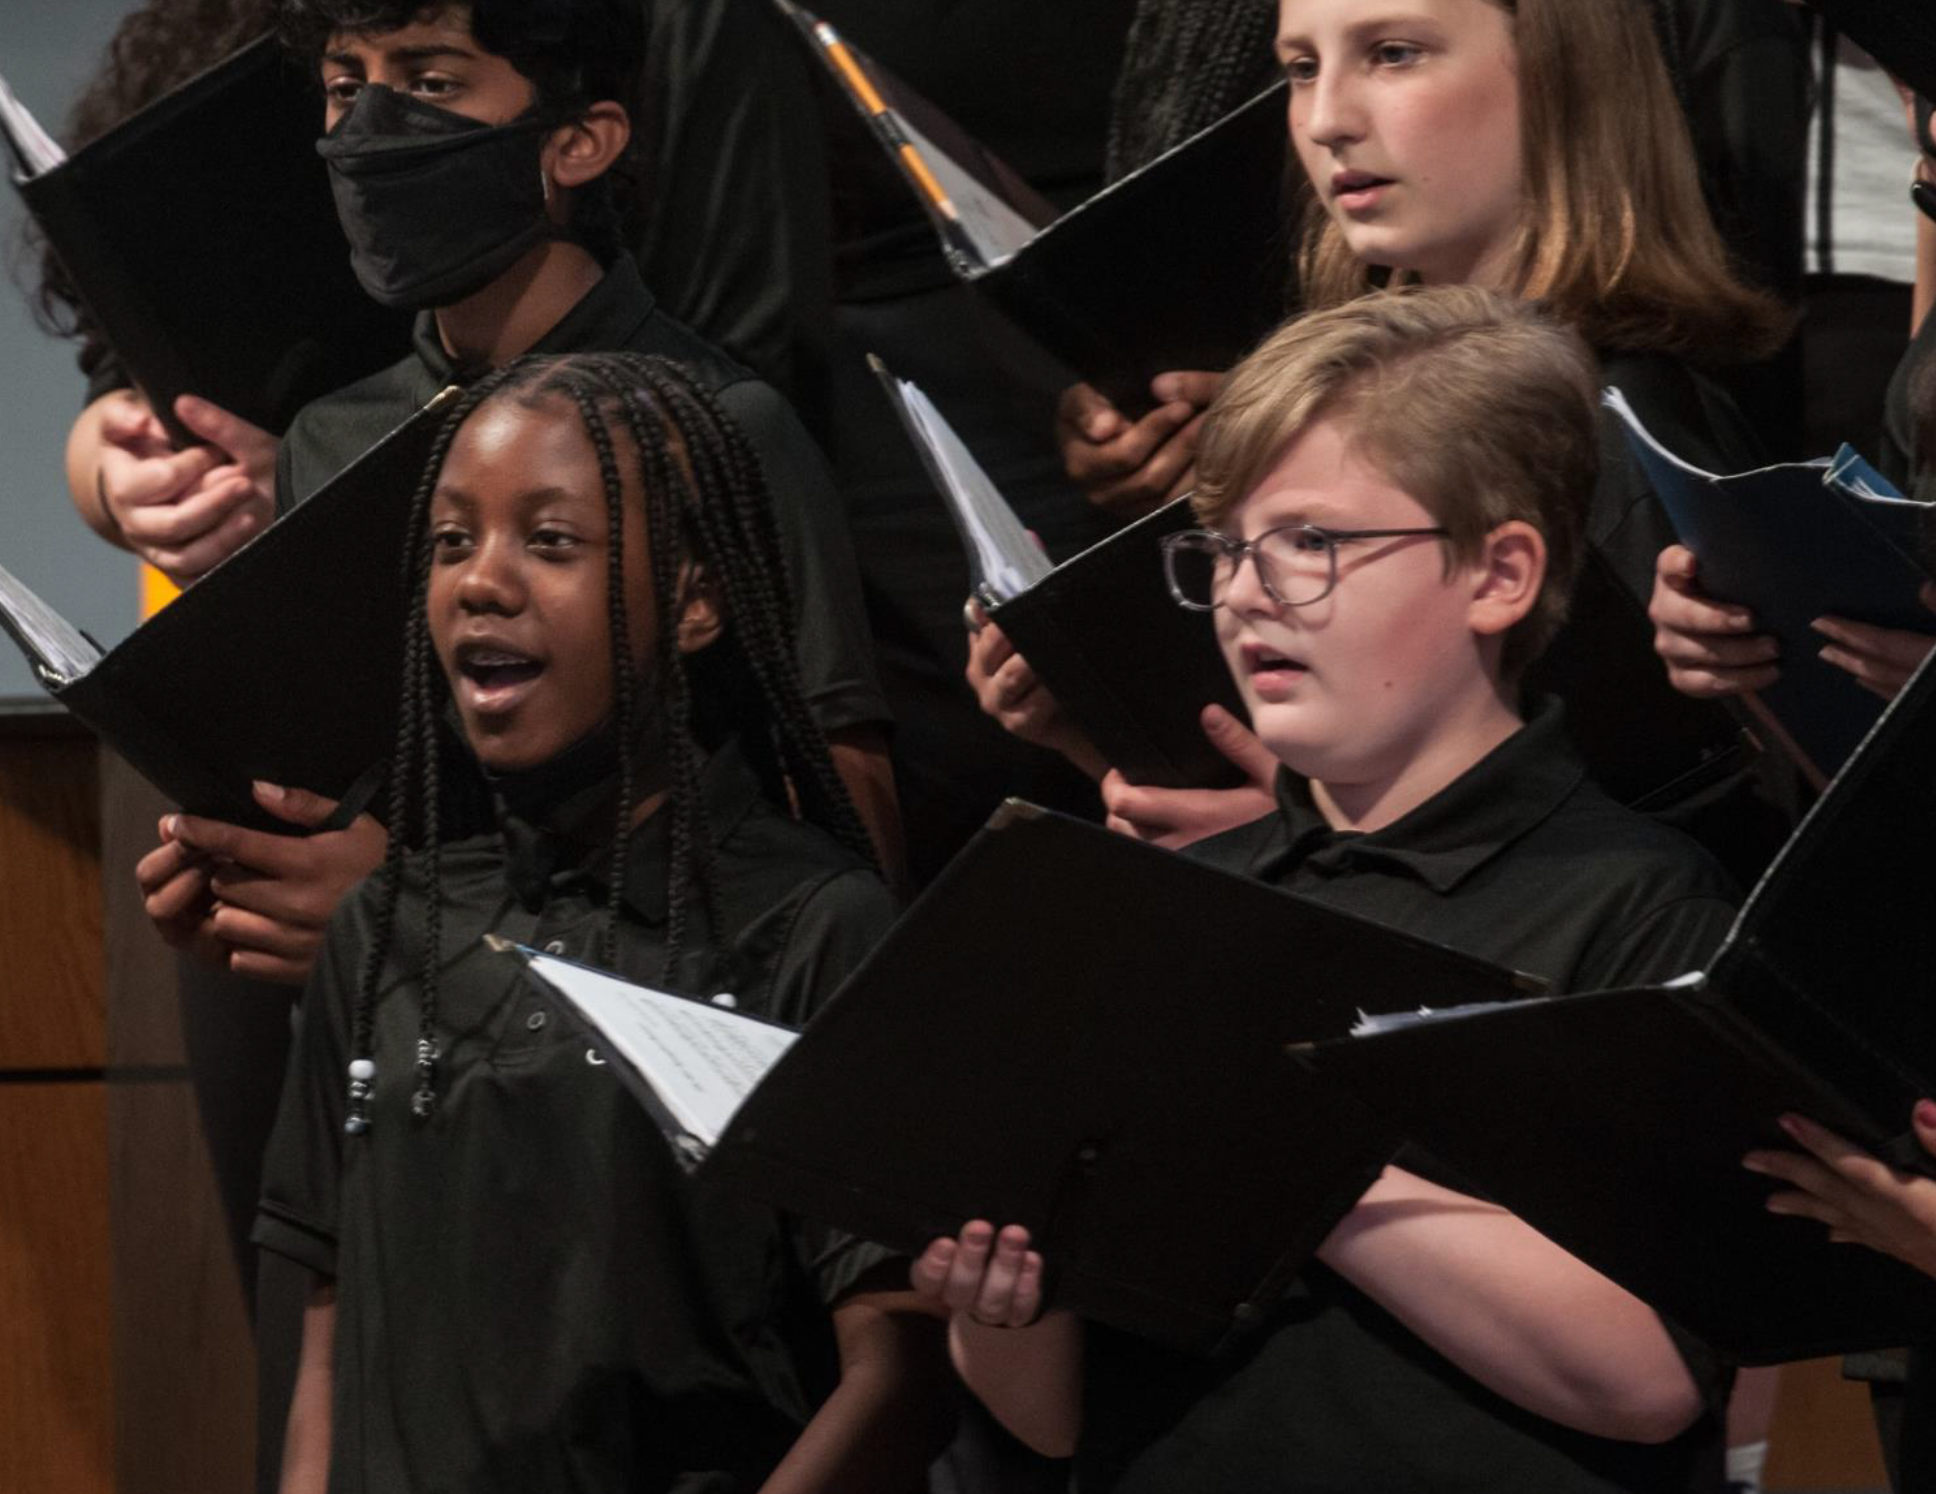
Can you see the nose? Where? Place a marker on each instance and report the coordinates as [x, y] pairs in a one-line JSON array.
[[492, 580], [1328, 111], [1245, 595]]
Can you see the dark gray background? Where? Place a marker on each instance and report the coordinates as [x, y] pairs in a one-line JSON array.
[[48, 50]]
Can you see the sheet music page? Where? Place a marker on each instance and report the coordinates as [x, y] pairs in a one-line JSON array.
[[994, 229], [1370, 1024], [35, 151], [53, 645], [702, 1060], [1007, 558]]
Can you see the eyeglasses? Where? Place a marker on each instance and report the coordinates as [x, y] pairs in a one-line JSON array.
[[1297, 563]]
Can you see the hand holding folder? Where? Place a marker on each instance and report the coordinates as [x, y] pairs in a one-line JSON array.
[[1182, 264], [1109, 1003], [201, 233], [283, 664]]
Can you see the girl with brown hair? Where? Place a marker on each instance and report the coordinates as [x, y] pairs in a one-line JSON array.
[[1534, 147]]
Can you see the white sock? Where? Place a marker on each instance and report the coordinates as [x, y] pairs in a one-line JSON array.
[[1745, 1465]]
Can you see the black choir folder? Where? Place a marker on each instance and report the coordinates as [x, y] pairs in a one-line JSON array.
[[203, 238], [1085, 1035], [1182, 264], [1615, 1122], [1130, 667], [282, 663]]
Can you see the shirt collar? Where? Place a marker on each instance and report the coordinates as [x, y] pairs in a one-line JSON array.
[[607, 316], [567, 852], [1508, 792]]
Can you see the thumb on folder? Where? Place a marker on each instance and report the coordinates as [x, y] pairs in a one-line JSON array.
[[1174, 818]]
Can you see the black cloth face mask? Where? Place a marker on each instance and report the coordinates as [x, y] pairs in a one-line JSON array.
[[436, 206]]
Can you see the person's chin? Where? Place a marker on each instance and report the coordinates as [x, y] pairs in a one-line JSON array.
[[1297, 736], [510, 747]]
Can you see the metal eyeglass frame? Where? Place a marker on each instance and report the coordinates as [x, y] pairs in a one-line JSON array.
[[1237, 550]]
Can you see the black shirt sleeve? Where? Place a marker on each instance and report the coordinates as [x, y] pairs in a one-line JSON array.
[[1664, 942], [833, 646], [836, 926], [302, 1172], [744, 255]]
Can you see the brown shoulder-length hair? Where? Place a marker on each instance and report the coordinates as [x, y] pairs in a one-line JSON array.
[[1617, 240]]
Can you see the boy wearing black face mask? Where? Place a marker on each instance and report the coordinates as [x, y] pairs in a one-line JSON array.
[[473, 151]]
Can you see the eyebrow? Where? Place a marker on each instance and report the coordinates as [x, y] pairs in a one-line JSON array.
[[428, 52], [1393, 21]]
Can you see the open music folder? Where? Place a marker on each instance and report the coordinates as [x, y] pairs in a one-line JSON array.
[[1793, 543], [1182, 264], [1128, 665], [202, 236], [1076, 1032], [283, 663], [1615, 1122]]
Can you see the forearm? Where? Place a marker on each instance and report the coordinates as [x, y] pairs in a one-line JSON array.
[[84, 471], [891, 1414], [1514, 1311], [861, 758], [1925, 294], [305, 1441], [1030, 1379]]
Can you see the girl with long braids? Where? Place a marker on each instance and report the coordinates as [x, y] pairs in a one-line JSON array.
[[516, 1286]]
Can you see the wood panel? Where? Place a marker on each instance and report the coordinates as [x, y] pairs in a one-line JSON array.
[[55, 1386], [1823, 1438], [184, 1369], [51, 1007], [184, 1365]]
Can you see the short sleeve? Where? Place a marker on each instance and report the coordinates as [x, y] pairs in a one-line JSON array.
[[843, 919], [835, 648], [298, 1215], [104, 369], [1671, 940]]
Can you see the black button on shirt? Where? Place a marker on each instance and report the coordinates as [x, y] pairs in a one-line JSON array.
[[533, 1296], [1523, 862], [619, 315]]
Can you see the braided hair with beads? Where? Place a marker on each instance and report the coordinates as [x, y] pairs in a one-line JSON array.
[[706, 501]]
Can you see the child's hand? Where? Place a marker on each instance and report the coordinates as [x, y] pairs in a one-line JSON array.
[[1862, 1200], [1129, 469], [1710, 648], [1880, 659], [274, 893], [1010, 691], [993, 1279], [185, 511], [1174, 818], [177, 897]]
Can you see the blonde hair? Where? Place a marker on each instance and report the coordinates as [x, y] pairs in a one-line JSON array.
[[1616, 238], [1482, 408]]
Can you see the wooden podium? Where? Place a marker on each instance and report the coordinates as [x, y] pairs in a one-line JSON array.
[[125, 1361], [56, 1399]]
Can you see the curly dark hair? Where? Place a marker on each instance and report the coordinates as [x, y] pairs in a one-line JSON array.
[[157, 48], [705, 499], [575, 53]]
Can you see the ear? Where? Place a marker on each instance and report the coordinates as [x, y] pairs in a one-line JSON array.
[[701, 617], [1506, 579], [585, 149]]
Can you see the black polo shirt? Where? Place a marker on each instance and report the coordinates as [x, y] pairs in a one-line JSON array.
[[533, 1295], [1524, 862], [619, 315]]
